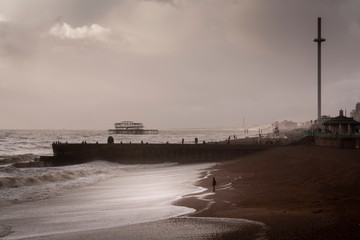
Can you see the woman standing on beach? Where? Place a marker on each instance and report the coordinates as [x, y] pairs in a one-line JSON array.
[[213, 184]]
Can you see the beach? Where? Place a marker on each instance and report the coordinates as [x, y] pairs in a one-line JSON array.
[[298, 192], [101, 199], [135, 203], [130, 194]]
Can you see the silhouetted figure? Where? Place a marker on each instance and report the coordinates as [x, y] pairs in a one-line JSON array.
[[213, 184], [110, 140], [182, 141], [196, 140]]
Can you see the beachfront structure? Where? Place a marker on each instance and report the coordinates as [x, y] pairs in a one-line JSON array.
[[339, 131], [342, 125], [130, 127], [319, 40], [356, 112], [73, 153]]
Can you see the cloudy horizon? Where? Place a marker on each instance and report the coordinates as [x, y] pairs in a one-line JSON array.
[[86, 64]]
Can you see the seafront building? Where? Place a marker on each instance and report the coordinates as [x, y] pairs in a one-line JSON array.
[[342, 125], [356, 112], [340, 131]]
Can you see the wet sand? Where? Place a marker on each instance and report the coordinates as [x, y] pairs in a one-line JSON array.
[[174, 228], [299, 192]]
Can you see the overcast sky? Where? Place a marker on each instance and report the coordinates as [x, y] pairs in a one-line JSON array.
[[86, 64]]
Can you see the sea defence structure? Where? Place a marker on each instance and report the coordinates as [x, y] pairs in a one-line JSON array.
[[350, 142], [146, 153]]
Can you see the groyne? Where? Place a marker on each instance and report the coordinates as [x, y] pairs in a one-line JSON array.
[[146, 153], [352, 142]]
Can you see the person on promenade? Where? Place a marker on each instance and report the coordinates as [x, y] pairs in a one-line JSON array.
[[182, 141], [196, 140], [213, 184]]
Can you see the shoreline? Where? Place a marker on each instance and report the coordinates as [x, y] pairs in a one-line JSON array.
[[135, 194], [299, 192], [283, 192], [172, 228]]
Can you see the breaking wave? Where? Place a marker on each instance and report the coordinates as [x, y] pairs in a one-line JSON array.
[[5, 160], [23, 184]]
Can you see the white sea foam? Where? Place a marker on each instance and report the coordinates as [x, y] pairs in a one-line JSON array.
[[134, 194], [7, 160], [4, 230], [23, 184]]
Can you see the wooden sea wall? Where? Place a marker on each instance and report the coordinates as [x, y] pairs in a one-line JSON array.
[[337, 142], [147, 153]]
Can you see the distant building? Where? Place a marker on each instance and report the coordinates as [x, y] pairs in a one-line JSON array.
[[319, 122], [356, 112], [305, 124], [285, 125], [325, 118]]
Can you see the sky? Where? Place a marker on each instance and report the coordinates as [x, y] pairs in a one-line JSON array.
[[86, 64]]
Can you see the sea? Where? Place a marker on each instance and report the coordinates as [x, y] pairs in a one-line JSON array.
[[61, 202]]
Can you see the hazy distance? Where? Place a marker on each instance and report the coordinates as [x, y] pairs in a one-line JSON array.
[[86, 64]]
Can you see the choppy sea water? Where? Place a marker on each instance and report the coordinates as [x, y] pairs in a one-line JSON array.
[[38, 142], [37, 202]]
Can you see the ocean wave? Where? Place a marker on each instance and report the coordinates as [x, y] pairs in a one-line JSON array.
[[28, 184], [5, 160], [4, 230], [22, 184], [20, 181]]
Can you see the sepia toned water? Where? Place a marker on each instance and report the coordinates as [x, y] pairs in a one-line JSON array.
[[61, 202], [38, 142]]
